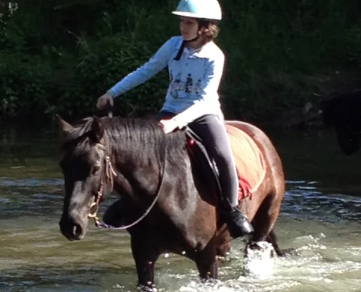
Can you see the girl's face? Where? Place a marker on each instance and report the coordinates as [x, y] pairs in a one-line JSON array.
[[189, 28]]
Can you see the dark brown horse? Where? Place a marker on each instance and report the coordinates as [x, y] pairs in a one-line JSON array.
[[152, 167]]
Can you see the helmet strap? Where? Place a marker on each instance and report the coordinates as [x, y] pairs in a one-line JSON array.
[[181, 49]]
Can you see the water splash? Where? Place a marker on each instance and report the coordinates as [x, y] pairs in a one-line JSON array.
[[258, 262]]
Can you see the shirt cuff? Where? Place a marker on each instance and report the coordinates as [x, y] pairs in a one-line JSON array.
[[112, 93]]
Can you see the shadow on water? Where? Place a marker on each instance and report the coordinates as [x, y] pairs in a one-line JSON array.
[[320, 216], [315, 156], [29, 152]]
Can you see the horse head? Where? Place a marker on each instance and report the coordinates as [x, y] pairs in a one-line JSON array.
[[83, 163]]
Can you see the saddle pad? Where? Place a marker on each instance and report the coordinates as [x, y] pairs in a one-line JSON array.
[[249, 161]]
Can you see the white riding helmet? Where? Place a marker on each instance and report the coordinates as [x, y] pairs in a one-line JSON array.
[[205, 9]]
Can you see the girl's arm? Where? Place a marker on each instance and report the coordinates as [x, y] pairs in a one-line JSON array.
[[146, 71]]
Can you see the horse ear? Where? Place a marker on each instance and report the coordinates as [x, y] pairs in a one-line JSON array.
[[97, 130], [64, 127]]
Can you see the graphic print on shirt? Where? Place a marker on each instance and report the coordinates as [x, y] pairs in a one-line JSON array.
[[197, 87], [189, 86]]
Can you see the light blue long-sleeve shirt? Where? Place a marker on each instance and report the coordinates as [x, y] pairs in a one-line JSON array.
[[194, 79]]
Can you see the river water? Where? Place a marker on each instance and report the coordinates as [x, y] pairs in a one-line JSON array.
[[320, 217]]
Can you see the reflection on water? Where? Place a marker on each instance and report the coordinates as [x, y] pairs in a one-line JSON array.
[[318, 217]]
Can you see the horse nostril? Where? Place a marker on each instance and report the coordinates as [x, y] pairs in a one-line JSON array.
[[77, 230]]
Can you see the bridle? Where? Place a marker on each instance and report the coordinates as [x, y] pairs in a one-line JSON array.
[[107, 177]]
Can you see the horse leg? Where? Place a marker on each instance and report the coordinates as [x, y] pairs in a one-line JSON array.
[[264, 221], [265, 218], [223, 249], [272, 239], [263, 224], [206, 261], [145, 255]]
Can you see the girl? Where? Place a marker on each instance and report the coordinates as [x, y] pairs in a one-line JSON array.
[[195, 65]]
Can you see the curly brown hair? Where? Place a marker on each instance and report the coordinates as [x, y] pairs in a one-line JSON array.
[[212, 28]]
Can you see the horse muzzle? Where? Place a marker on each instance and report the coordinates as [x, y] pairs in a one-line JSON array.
[[71, 228]]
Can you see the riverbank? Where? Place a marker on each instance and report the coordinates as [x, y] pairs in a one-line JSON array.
[[282, 57]]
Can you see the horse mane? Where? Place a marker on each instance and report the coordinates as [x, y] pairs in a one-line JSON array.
[[128, 138]]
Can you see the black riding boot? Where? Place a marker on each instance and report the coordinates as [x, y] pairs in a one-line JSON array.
[[238, 223]]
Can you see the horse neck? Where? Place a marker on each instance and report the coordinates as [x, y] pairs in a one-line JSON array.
[[138, 172], [161, 169]]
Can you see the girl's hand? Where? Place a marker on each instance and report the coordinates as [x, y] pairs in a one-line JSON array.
[[168, 126], [104, 100]]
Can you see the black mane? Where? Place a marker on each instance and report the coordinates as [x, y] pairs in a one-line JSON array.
[[136, 138]]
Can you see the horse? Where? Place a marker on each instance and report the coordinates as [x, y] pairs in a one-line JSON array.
[[342, 110], [160, 183]]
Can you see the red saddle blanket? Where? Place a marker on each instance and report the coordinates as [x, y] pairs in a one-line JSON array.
[[249, 161]]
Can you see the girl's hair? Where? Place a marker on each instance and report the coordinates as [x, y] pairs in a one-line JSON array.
[[212, 27]]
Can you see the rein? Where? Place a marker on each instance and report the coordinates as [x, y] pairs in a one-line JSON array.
[[107, 176]]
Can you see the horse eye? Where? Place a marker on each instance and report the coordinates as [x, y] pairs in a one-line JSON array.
[[95, 169]]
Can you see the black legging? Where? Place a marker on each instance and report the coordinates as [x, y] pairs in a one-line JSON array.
[[213, 133]]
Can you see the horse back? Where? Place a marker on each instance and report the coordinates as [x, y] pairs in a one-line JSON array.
[[272, 183]]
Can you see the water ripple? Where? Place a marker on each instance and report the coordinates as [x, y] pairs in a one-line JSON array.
[[31, 182]]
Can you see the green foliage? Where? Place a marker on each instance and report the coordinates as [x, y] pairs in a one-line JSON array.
[[60, 56]]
